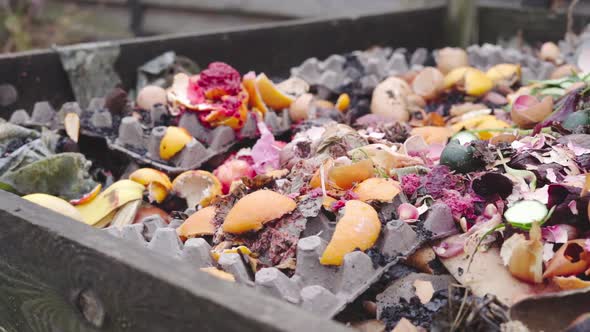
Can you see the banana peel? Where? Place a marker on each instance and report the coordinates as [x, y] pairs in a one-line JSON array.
[[115, 196]]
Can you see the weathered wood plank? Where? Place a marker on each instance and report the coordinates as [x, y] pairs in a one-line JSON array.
[[57, 274]]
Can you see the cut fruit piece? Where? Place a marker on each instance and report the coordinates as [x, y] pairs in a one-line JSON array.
[[197, 187], [358, 228], [377, 189], [173, 142], [88, 197], [198, 224], [56, 204], [115, 196], [252, 211], [346, 176], [72, 126], [255, 100], [146, 176], [271, 95], [524, 213]]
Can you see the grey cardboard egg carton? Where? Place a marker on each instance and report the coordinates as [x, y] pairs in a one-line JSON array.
[[324, 290], [141, 141], [336, 71], [487, 55], [144, 145]]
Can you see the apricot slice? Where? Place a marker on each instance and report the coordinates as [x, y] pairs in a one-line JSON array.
[[252, 211], [173, 141], [271, 95], [255, 100], [198, 224], [358, 228], [56, 204], [346, 176], [197, 187], [377, 189]]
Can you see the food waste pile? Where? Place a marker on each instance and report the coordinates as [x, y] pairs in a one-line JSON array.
[[388, 189]]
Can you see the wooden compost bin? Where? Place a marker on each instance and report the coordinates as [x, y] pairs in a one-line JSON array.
[[57, 274]]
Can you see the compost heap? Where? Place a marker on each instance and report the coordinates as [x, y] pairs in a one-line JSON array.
[[483, 176]]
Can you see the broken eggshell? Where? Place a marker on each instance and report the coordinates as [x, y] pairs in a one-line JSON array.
[[389, 99], [196, 187]]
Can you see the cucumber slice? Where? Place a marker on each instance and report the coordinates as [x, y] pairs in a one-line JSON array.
[[464, 137], [524, 213]]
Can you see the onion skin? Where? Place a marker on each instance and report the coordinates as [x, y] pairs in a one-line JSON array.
[[527, 111]]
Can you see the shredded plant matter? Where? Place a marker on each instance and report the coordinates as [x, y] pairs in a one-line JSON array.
[[323, 187]]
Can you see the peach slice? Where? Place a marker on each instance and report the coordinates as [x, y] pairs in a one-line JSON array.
[[252, 211], [56, 204], [346, 176], [173, 141], [87, 197], [359, 228], [198, 224], [271, 95], [377, 189], [115, 196], [255, 101], [197, 187], [147, 175], [343, 102]]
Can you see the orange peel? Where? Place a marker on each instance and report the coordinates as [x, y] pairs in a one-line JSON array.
[[198, 224], [346, 176], [377, 189], [359, 228], [196, 187], [252, 211], [174, 141], [271, 95]]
